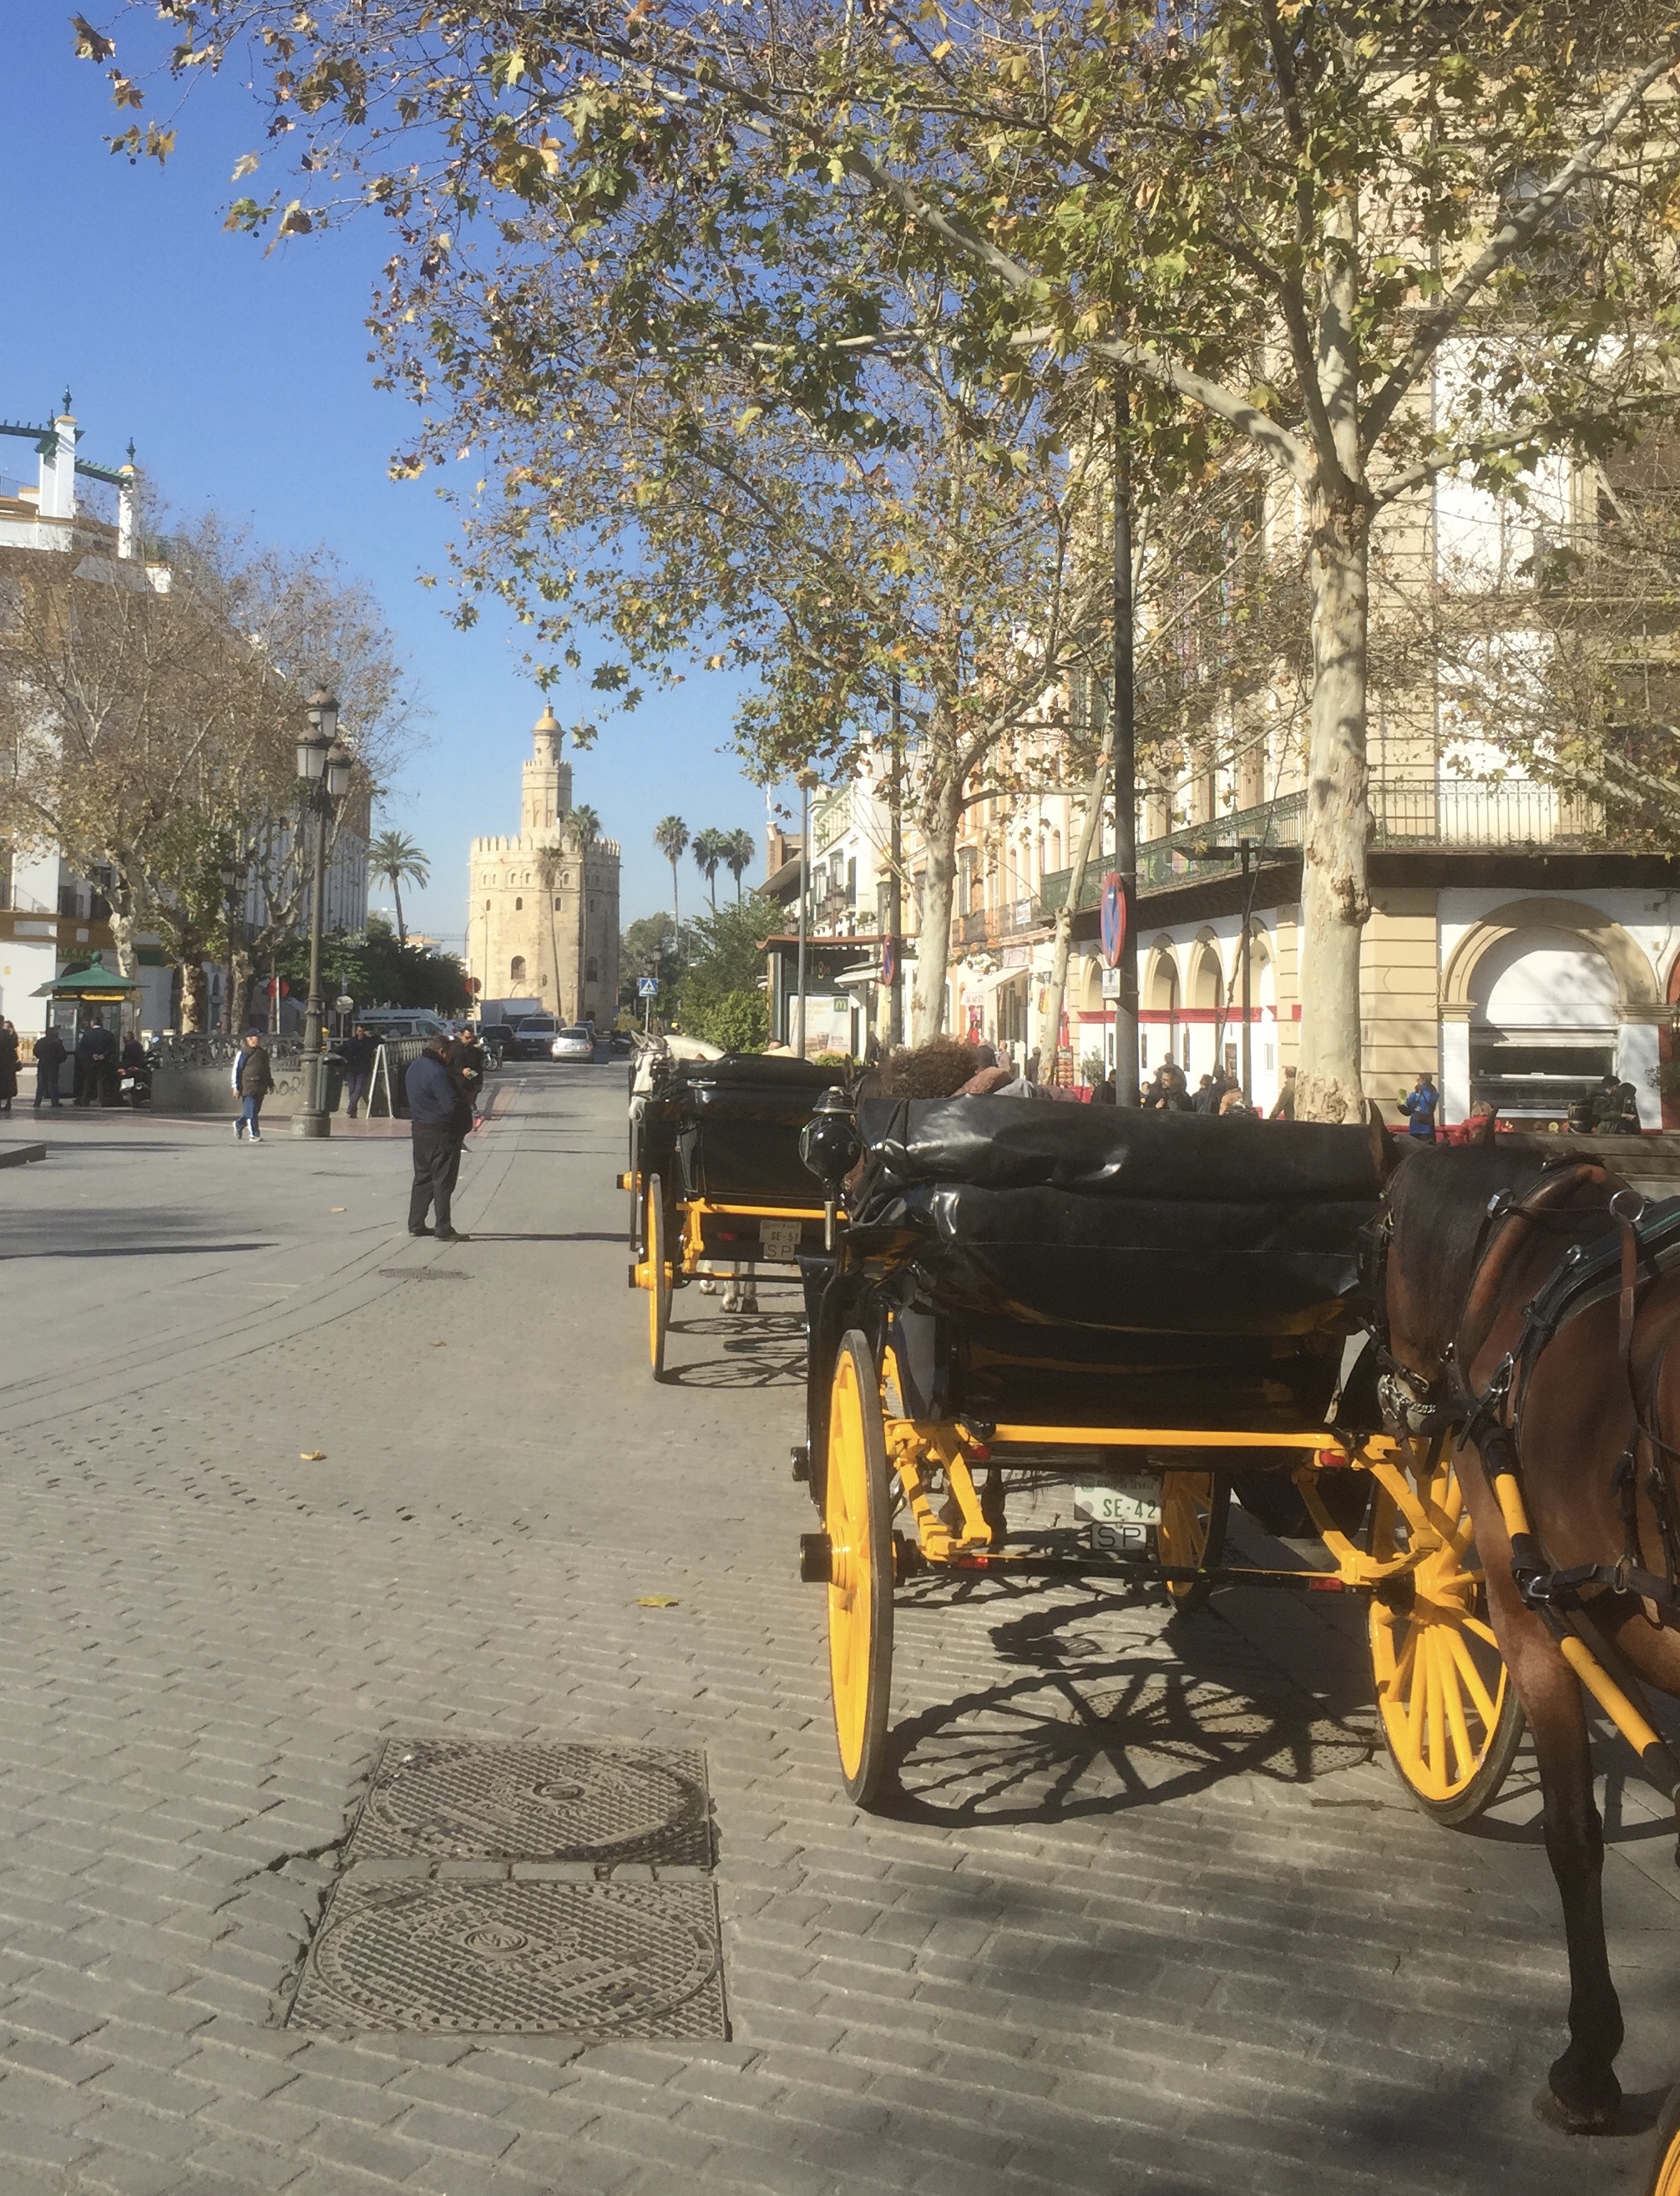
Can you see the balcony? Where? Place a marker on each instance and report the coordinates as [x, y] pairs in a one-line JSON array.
[[1467, 813]]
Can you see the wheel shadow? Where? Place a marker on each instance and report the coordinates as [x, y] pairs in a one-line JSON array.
[[1091, 1728], [756, 1350]]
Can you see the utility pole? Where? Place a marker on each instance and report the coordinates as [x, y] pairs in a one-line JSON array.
[[895, 888], [1124, 747]]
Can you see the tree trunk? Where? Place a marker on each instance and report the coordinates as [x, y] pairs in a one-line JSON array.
[[239, 1003], [1335, 901], [195, 993], [1057, 990], [397, 894], [122, 928], [942, 811]]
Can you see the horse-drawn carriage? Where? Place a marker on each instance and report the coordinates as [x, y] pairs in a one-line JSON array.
[[717, 1188], [1140, 1310], [1145, 1310]]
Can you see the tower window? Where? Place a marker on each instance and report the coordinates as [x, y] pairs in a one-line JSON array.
[[516, 974], [556, 900], [519, 903], [592, 971]]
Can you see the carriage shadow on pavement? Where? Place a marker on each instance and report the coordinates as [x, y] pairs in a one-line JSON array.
[[1080, 1725], [741, 1350]]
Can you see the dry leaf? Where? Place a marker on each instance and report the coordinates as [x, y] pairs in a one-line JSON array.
[[336, 1208], [312, 1456], [656, 1601]]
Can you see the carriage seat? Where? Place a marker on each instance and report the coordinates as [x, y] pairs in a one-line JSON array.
[[1145, 1222]]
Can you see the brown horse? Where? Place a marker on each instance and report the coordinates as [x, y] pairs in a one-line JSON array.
[[1583, 1411]]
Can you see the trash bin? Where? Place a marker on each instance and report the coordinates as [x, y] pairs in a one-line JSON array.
[[332, 1070]]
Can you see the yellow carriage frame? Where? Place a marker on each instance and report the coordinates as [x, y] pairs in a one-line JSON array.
[[662, 1268], [1450, 1717]]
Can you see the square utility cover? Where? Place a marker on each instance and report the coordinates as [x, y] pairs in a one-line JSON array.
[[457, 1799], [597, 1960]]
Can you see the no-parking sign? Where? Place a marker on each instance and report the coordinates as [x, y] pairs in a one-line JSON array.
[[1113, 917]]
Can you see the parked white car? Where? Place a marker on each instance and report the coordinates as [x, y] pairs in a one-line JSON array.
[[572, 1044]]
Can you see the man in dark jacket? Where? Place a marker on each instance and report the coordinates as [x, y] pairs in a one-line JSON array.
[[440, 1118], [49, 1056], [95, 1058], [253, 1079], [358, 1052]]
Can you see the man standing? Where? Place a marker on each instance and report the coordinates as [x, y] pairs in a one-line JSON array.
[[50, 1057], [358, 1051], [440, 1116], [253, 1079], [95, 1055], [1419, 1105]]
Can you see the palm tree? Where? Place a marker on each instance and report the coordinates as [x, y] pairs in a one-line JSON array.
[[708, 853], [395, 858], [583, 829], [740, 851], [670, 837]]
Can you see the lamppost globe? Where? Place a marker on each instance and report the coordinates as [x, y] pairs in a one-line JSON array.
[[340, 769]]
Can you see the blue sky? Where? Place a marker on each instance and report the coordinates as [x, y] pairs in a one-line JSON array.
[[243, 379]]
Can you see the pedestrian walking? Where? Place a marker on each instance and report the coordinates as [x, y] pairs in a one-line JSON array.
[[470, 1063], [95, 1058], [1420, 1105], [49, 1056], [8, 1065], [1284, 1108], [1103, 1092], [253, 1079], [358, 1050], [439, 1119]]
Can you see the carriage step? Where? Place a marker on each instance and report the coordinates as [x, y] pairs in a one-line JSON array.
[[800, 1456]]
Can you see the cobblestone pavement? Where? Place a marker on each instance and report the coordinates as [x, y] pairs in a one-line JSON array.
[[1147, 1916]]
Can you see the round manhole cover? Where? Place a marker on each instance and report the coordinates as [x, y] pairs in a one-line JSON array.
[[594, 1960], [461, 1800]]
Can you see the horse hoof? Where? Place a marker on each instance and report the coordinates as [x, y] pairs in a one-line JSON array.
[[1575, 2118]]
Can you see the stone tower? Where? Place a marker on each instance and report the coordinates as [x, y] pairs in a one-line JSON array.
[[542, 914]]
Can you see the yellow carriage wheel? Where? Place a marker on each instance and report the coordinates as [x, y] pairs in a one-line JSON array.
[[659, 1275], [1450, 1713], [1191, 1536], [858, 1517]]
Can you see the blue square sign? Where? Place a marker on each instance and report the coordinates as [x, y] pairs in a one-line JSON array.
[[647, 987]]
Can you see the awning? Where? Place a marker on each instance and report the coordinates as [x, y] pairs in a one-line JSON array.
[[93, 985], [980, 987], [869, 973]]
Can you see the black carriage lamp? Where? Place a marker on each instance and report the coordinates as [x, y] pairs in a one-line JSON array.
[[830, 1147]]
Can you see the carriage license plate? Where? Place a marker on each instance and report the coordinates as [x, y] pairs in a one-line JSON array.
[[1135, 1500], [779, 1238]]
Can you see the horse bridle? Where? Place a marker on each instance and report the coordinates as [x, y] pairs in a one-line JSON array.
[[1491, 1421]]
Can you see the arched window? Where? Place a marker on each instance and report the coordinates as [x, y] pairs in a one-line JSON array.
[[516, 974], [486, 907], [592, 972], [519, 903]]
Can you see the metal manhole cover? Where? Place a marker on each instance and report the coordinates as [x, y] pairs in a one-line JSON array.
[[458, 1799], [423, 1273], [597, 1960]]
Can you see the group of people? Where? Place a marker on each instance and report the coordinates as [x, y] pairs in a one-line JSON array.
[[1218, 1093], [101, 1061]]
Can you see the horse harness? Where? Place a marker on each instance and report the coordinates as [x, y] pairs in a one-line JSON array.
[[1642, 1244]]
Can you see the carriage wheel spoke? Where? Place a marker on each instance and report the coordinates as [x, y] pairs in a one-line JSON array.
[[1485, 1707], [1452, 1695]]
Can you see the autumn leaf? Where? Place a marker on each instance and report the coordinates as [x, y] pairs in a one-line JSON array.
[[246, 165], [657, 1601], [91, 45]]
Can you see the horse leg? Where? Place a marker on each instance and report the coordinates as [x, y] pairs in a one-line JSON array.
[[1583, 2089], [1583, 2082]]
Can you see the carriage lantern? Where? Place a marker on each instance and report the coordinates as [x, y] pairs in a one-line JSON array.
[[830, 1148]]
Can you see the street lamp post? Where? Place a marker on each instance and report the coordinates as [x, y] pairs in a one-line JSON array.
[[232, 877], [324, 769]]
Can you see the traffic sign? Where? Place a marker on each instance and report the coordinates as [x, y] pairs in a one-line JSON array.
[[647, 987], [1113, 918], [889, 961], [473, 986]]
